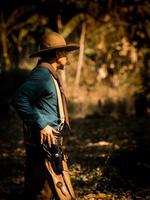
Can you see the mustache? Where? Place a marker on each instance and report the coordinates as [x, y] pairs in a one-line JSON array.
[[61, 66]]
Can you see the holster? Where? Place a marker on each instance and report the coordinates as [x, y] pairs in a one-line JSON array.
[[57, 169]]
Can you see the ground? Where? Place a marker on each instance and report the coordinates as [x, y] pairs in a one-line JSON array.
[[108, 157]]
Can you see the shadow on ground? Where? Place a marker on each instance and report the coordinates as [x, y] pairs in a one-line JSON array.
[[106, 155], [111, 155]]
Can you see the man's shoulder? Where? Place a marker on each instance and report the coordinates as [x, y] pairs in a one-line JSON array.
[[42, 77], [40, 72], [39, 69]]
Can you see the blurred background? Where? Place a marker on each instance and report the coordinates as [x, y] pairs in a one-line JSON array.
[[107, 84]]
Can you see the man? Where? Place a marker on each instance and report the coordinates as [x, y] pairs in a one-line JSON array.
[[37, 104]]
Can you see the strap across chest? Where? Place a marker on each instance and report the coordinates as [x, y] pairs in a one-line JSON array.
[[62, 104]]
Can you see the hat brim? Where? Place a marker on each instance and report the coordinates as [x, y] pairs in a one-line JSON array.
[[68, 47]]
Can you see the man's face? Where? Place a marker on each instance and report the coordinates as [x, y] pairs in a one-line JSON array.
[[61, 59]]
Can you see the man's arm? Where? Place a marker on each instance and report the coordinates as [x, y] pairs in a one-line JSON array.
[[26, 95], [24, 103]]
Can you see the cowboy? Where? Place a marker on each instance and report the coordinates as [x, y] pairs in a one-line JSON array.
[[37, 104]]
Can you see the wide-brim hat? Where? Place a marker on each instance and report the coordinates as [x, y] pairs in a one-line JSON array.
[[53, 41]]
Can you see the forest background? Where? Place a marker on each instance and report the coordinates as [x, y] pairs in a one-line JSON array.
[[107, 84]]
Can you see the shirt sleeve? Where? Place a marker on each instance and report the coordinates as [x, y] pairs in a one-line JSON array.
[[25, 96]]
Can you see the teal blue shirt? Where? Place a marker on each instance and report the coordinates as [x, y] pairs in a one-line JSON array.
[[36, 100]]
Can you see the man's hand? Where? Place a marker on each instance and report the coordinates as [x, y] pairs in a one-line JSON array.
[[47, 135]]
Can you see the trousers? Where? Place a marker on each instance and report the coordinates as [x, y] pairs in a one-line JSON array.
[[38, 185]]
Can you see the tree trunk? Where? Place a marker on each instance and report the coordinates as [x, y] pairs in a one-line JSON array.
[[4, 44], [59, 23], [81, 56], [109, 4], [60, 27]]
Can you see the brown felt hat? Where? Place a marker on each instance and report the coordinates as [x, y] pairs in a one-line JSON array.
[[53, 41]]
